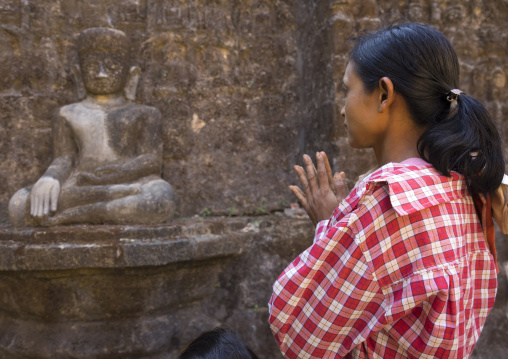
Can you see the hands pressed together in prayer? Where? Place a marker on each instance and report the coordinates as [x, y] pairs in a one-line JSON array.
[[322, 192]]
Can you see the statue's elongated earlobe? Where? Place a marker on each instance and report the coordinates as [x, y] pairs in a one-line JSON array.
[[78, 80], [132, 83]]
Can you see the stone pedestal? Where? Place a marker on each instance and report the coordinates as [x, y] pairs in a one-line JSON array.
[[132, 292]]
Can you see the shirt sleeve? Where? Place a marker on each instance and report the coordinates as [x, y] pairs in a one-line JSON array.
[[327, 301], [321, 230]]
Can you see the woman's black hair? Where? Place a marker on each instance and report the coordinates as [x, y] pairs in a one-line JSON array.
[[423, 66], [219, 343]]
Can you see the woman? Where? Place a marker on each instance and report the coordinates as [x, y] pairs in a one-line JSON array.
[[402, 267]]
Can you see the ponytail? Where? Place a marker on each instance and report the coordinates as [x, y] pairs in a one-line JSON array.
[[466, 142], [459, 133]]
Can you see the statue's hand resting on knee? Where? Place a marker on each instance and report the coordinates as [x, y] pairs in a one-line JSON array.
[[44, 196]]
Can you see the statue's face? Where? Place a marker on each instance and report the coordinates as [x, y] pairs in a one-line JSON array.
[[104, 71]]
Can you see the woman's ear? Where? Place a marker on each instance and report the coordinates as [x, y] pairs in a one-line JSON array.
[[386, 93]]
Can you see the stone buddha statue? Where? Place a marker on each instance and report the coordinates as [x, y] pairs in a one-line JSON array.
[[107, 149]]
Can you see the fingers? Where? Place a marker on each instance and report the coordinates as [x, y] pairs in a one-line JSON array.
[[299, 195], [45, 202], [44, 197], [341, 189], [34, 204], [313, 179], [317, 195], [302, 176], [103, 170], [311, 174], [328, 168], [324, 182], [55, 192]]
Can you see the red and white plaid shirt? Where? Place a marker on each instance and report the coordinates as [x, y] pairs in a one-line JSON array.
[[401, 270]]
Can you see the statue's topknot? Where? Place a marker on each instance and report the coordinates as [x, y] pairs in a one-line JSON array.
[[103, 38]]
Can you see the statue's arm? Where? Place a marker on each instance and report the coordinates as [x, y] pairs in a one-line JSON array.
[[45, 192], [65, 150], [149, 146]]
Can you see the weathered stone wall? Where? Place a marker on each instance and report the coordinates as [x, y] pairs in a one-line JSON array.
[[245, 87]]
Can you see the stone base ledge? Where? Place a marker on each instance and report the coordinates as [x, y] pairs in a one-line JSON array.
[[87, 246]]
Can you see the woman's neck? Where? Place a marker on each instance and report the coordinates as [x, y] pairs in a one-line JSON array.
[[400, 142], [396, 153]]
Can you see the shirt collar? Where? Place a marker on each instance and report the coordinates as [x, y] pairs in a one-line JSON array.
[[416, 187]]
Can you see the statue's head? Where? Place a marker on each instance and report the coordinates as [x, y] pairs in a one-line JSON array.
[[104, 60]]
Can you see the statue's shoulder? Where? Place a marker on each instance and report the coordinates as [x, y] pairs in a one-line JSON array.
[[70, 109]]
